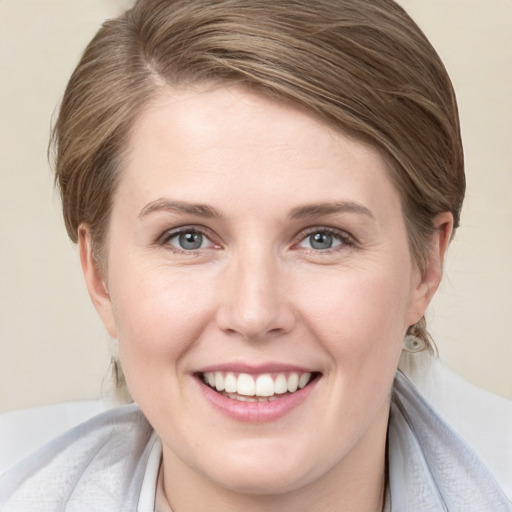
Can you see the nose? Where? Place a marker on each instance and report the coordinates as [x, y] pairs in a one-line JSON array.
[[254, 301]]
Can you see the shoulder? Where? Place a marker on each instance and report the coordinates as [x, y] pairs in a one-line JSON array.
[[98, 465], [431, 464]]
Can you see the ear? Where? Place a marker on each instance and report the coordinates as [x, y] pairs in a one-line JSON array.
[[429, 280], [94, 280]]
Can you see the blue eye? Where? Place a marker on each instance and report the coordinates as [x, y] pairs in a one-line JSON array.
[[322, 240], [188, 240]]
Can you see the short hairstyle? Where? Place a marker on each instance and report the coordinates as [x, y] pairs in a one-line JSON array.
[[363, 66]]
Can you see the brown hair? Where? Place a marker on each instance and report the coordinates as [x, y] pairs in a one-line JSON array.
[[362, 65]]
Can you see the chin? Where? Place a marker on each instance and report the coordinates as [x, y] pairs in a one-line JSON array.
[[265, 482], [260, 473]]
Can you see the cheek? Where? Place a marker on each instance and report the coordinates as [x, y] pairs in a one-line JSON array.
[[359, 316], [159, 316], [359, 323]]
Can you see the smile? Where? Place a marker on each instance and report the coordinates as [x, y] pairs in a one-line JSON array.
[[265, 387]]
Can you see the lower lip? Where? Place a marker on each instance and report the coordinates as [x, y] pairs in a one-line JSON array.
[[256, 412]]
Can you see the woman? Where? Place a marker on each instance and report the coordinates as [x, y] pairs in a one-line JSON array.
[[263, 195]]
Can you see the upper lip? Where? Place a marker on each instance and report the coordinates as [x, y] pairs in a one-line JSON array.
[[251, 369]]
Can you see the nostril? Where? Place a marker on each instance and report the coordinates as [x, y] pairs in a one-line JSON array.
[[258, 324]]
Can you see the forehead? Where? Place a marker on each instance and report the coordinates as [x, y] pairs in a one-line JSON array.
[[197, 141]]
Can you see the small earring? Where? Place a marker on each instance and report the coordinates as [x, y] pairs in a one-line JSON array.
[[414, 344]]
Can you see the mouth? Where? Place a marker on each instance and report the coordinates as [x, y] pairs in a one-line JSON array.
[[264, 387]]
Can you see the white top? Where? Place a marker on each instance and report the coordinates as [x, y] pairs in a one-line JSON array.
[[149, 484]]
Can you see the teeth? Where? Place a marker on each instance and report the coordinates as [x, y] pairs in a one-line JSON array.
[[246, 385], [262, 388], [264, 385], [293, 382], [230, 384], [219, 381], [242, 398], [304, 379], [280, 385]]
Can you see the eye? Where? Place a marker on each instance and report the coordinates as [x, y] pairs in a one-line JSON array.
[[324, 240], [187, 240]]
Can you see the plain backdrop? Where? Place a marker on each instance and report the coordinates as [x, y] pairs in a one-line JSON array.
[[52, 345]]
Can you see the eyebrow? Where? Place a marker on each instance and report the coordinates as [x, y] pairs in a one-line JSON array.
[[300, 212], [317, 210], [199, 210]]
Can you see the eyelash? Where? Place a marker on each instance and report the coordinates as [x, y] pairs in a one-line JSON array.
[[342, 236], [345, 239], [166, 237]]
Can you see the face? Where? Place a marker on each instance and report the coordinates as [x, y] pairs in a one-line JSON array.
[[250, 247]]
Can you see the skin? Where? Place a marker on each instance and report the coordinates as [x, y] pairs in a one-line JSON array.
[[257, 292]]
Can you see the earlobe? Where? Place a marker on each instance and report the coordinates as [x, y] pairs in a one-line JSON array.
[[431, 275], [94, 280]]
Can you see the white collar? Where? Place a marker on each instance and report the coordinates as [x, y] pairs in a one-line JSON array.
[[149, 483]]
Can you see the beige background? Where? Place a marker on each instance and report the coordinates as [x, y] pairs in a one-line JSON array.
[[52, 346]]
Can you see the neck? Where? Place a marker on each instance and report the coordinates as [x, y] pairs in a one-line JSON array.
[[310, 502]]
